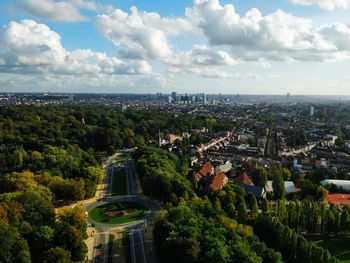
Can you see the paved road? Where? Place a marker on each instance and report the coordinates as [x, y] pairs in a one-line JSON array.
[[130, 178], [138, 255], [101, 248]]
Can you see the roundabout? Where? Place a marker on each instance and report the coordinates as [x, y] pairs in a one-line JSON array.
[[108, 214], [119, 212]]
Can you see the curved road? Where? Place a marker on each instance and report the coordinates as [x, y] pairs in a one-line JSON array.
[[101, 247]]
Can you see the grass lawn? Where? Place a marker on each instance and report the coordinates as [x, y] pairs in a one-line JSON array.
[[119, 183], [121, 158], [338, 247], [138, 211]]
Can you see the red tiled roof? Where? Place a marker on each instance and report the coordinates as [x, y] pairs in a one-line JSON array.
[[198, 176], [206, 170], [244, 179], [220, 180], [341, 199]]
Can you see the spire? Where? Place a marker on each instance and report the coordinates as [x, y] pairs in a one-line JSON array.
[[159, 139]]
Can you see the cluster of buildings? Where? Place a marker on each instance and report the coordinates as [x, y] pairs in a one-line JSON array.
[[210, 178], [187, 99], [298, 136]]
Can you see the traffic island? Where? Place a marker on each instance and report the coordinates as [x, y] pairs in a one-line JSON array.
[[118, 212]]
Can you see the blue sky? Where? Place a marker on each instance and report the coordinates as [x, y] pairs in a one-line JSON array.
[[212, 46]]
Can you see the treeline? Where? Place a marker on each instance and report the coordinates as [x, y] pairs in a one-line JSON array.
[[70, 174], [294, 248], [56, 187], [312, 217], [30, 231], [163, 174], [193, 231], [96, 127]]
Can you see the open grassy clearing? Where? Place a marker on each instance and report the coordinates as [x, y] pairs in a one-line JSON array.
[[118, 212]]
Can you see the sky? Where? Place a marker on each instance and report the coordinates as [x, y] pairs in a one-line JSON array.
[[148, 46]]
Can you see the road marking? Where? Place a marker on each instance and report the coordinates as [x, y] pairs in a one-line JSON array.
[[142, 246], [106, 249], [131, 234]]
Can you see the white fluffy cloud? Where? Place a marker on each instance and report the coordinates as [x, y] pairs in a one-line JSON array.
[[144, 35], [30, 44], [59, 11], [31, 47], [202, 61], [141, 35], [201, 55], [206, 42], [276, 36], [324, 4]]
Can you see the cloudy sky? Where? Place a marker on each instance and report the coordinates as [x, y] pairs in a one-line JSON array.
[[212, 46]]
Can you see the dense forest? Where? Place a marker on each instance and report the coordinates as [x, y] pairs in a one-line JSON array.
[[62, 145]]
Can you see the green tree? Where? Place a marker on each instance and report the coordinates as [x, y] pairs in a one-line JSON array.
[[242, 212], [259, 176], [278, 186], [253, 206], [344, 221], [231, 210], [286, 174], [74, 217], [265, 206], [71, 239], [57, 255], [217, 205], [41, 239]]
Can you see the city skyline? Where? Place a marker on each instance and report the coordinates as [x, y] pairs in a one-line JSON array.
[[202, 46]]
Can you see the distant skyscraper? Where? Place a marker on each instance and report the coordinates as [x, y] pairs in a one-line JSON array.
[[312, 111], [204, 98], [173, 96], [288, 96]]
